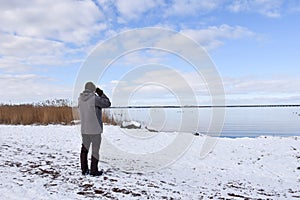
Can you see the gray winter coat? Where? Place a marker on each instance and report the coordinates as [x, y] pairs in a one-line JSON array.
[[90, 109]]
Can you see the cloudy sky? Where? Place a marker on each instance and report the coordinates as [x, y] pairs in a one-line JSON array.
[[254, 45]]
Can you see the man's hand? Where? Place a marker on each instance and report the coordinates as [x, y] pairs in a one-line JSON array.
[[99, 92]]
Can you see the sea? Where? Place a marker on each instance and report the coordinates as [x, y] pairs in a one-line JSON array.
[[232, 122]]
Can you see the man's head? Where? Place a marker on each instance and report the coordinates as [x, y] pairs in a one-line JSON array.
[[90, 86]]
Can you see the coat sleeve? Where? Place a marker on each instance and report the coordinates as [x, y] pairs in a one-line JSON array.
[[102, 101]]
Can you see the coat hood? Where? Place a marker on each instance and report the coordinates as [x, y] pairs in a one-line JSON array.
[[86, 95]]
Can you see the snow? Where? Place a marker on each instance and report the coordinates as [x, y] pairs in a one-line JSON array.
[[42, 162]]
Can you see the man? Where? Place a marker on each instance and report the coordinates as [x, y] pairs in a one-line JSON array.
[[90, 103]]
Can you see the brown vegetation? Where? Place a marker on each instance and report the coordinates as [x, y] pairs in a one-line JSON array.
[[41, 115], [108, 118]]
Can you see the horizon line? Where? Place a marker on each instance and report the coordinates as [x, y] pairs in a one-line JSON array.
[[209, 106]]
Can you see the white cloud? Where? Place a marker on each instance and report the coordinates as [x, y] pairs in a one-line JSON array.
[[20, 52], [269, 8], [213, 36], [191, 7], [255, 86], [13, 65], [141, 10], [135, 8], [169, 85], [27, 88], [47, 32], [142, 57], [23, 47], [68, 20], [238, 90]]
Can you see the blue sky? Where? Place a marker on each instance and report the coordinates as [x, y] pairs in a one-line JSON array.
[[254, 45]]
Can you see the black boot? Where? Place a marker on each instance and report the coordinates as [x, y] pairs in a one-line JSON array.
[[94, 167], [83, 161], [87, 172]]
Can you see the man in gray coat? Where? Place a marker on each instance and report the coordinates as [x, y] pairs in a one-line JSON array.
[[90, 103]]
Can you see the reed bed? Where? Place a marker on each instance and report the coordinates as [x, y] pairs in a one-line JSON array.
[[42, 115]]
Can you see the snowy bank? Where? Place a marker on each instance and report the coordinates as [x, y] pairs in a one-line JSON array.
[[42, 162]]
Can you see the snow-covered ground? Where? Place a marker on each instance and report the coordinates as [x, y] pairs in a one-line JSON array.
[[42, 162]]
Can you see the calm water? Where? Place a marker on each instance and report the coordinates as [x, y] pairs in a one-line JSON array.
[[241, 122], [238, 122]]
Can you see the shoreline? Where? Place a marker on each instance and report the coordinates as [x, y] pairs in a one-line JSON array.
[[196, 134]]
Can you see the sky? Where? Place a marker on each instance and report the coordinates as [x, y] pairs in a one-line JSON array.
[[254, 46]]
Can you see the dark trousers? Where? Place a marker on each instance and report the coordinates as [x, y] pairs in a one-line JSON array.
[[87, 140]]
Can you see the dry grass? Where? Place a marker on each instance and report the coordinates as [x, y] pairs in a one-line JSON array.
[[108, 118], [41, 115]]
